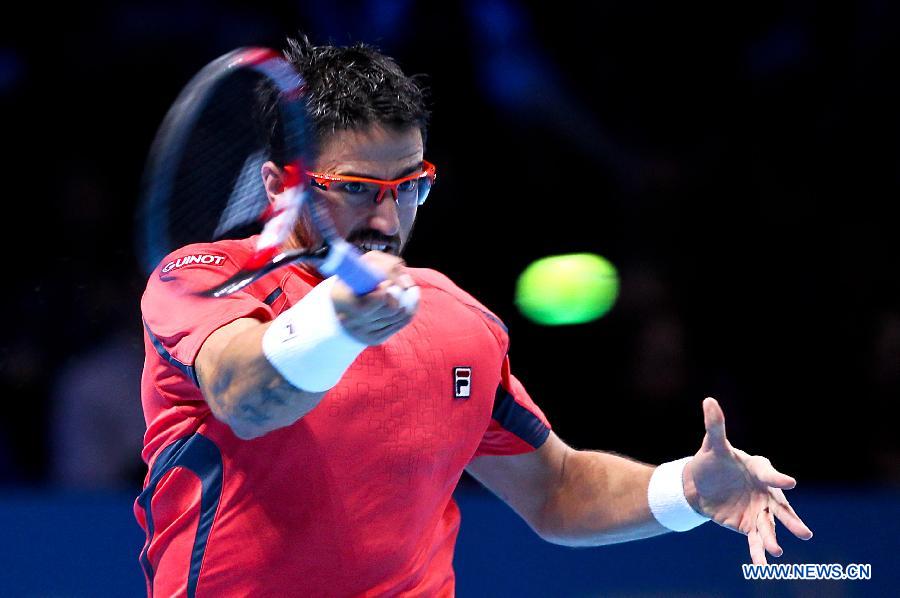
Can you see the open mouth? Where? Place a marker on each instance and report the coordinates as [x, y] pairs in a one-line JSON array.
[[366, 245]]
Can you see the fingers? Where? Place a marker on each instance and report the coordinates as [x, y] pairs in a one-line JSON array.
[[389, 317], [407, 298], [378, 336], [384, 300], [762, 470], [765, 522], [393, 267], [404, 281], [761, 539], [714, 421], [380, 308], [391, 298], [376, 316], [393, 293], [375, 332], [398, 291], [785, 513], [757, 551]]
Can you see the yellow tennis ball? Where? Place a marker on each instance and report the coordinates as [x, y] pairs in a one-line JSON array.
[[567, 289]]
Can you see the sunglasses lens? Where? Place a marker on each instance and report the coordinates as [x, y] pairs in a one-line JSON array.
[[424, 187], [411, 191]]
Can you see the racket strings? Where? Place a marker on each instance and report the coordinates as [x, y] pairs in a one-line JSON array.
[[204, 178], [217, 189]]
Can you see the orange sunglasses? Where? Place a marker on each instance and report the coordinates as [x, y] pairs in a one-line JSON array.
[[409, 190]]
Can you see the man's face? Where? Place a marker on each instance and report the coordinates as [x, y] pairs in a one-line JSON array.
[[379, 153]]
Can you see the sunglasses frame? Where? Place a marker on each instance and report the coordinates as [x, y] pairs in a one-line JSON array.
[[324, 180]]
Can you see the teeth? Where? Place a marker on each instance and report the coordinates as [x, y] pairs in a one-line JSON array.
[[373, 246]]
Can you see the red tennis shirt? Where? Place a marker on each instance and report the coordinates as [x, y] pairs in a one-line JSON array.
[[353, 499]]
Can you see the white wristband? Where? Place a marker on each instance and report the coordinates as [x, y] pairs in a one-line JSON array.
[[307, 344], [667, 501]]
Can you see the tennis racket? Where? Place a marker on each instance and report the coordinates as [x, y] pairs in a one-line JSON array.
[[202, 181]]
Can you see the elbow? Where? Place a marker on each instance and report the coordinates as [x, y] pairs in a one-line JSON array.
[[548, 526], [247, 428], [554, 526], [555, 535], [248, 423], [247, 432], [238, 410], [573, 532], [561, 538], [550, 536], [244, 421], [239, 426], [568, 542]]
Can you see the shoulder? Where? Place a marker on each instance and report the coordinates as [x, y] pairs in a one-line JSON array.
[[175, 313], [226, 255], [432, 279], [193, 268]]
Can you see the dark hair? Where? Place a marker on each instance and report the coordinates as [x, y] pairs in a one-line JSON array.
[[349, 87]]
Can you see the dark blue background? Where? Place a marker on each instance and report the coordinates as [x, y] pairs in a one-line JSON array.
[[87, 545]]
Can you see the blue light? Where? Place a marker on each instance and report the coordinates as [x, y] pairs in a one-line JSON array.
[[12, 70]]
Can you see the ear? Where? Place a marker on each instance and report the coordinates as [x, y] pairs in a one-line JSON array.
[[273, 180]]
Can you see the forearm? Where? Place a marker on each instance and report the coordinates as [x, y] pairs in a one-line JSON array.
[[244, 391], [267, 376], [600, 498]]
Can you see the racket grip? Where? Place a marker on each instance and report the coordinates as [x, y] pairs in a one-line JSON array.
[[343, 260]]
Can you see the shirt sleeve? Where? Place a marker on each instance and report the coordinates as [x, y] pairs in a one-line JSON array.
[[517, 424], [177, 320]]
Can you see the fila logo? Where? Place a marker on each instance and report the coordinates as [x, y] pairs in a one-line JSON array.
[[181, 262], [462, 382]]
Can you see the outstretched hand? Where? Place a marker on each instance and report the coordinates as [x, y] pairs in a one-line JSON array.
[[739, 491]]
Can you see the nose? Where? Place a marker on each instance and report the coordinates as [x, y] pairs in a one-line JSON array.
[[384, 217]]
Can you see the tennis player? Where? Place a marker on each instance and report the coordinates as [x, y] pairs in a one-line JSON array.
[[304, 441]]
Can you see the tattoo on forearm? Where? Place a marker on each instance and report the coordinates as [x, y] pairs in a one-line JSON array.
[[243, 396], [254, 415], [267, 404], [277, 394]]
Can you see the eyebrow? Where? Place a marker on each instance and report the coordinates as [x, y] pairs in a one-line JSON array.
[[405, 172]]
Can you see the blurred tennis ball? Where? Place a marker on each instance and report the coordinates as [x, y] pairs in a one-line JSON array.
[[567, 289]]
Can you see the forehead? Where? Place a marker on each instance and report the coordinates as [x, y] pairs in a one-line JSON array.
[[377, 149]]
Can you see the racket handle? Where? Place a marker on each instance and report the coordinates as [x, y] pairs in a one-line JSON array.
[[343, 260]]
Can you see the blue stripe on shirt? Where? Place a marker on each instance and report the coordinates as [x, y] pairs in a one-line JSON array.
[[518, 420], [187, 370], [202, 457]]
